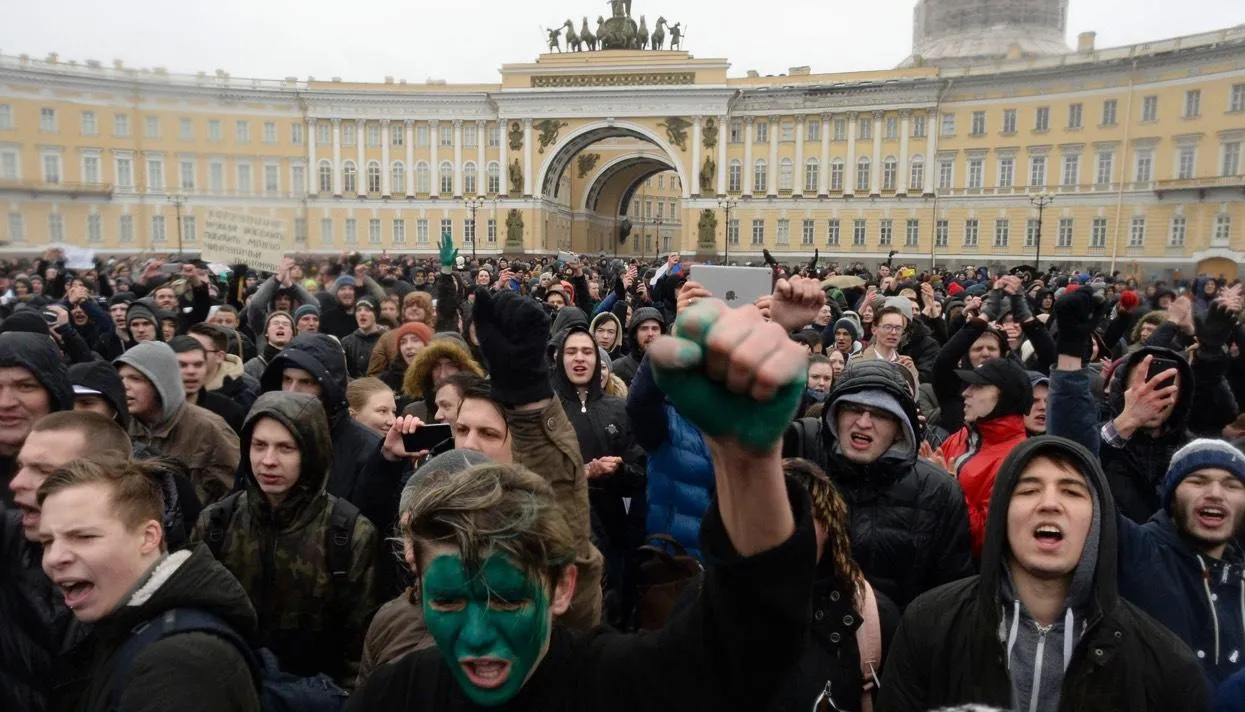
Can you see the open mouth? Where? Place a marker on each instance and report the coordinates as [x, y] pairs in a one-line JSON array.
[[76, 591], [1212, 517], [1048, 535], [486, 673], [860, 441]]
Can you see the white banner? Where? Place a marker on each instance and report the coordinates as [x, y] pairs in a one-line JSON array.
[[258, 242]]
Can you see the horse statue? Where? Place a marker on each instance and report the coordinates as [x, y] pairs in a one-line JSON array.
[[641, 38], [659, 33], [676, 35], [586, 36], [554, 37], [573, 43]]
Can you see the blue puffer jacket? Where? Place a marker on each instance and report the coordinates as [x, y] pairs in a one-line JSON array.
[[680, 471]]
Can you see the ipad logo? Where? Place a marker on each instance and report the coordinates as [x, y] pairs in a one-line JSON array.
[[730, 295]]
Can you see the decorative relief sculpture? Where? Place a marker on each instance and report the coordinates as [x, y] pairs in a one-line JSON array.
[[516, 178], [707, 171], [620, 31], [514, 228], [516, 135], [676, 131], [587, 161], [710, 133], [706, 228], [548, 129]]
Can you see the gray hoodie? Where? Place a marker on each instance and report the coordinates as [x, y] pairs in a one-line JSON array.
[[158, 363]]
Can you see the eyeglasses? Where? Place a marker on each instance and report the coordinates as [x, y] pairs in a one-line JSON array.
[[890, 328], [856, 410]]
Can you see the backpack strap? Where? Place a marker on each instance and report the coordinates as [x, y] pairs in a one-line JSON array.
[[341, 531], [869, 643], [174, 621], [219, 516]]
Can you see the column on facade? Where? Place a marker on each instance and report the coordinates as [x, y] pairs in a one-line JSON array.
[[694, 188], [434, 170], [458, 158], [875, 173], [481, 169], [385, 188], [905, 128], [504, 156], [747, 171], [849, 172], [360, 176], [797, 171], [527, 157], [313, 170], [931, 147], [410, 157], [823, 178], [723, 133], [775, 133], [337, 157]]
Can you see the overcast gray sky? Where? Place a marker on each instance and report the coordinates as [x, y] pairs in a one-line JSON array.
[[469, 41]]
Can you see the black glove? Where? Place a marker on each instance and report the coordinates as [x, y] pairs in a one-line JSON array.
[[1020, 308], [1076, 315], [769, 259], [513, 332], [1214, 331], [992, 306], [812, 264], [619, 288]]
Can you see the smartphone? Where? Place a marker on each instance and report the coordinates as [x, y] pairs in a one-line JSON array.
[[1159, 364], [566, 257], [427, 437]]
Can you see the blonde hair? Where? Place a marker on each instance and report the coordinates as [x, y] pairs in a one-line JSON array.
[[423, 300], [361, 390], [137, 497], [830, 509], [616, 387]]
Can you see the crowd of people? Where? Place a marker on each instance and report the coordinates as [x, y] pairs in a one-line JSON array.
[[390, 483]]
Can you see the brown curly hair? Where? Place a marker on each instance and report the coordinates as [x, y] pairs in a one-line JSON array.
[[830, 510]]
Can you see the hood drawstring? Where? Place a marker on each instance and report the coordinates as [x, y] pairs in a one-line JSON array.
[[1015, 631], [1069, 632], [1210, 600]]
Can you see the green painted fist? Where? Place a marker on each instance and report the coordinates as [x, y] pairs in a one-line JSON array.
[[731, 373]]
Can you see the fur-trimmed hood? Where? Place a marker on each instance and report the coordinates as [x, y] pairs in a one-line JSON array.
[[418, 379]]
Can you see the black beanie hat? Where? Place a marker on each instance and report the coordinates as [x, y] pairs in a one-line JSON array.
[[27, 320], [1006, 374]]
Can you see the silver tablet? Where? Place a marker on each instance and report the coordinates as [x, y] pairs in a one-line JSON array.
[[736, 286]]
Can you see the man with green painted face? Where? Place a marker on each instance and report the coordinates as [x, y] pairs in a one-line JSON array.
[[496, 558]]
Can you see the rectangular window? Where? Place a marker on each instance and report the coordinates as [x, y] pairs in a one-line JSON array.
[[1150, 108], [1037, 172], [447, 228], [736, 132], [296, 132], [155, 174], [471, 137], [421, 231], [806, 231], [17, 228], [836, 176], [1108, 112], [1041, 119], [1223, 229], [242, 132], [916, 182], [9, 164], [272, 183], [1193, 103], [1098, 233], [298, 179], [1186, 163], [51, 168], [732, 232], [971, 230], [324, 133], [56, 228], [121, 125], [1176, 236], [1145, 166], [1064, 239], [373, 231], [151, 127], [351, 231], [469, 231], [784, 232], [946, 174], [215, 132], [494, 136], [787, 131], [6, 116], [422, 135], [94, 231], [89, 125], [1031, 232], [491, 237], [892, 128], [300, 230], [1009, 121], [244, 178], [216, 177], [840, 129], [1236, 100], [890, 170], [373, 138], [979, 123], [942, 233], [758, 232], [832, 233], [187, 175], [397, 135], [1106, 166], [1137, 232], [1071, 170], [348, 132], [186, 129], [918, 126], [1007, 172], [886, 232], [270, 132], [399, 231], [47, 119], [812, 130], [157, 229], [445, 135], [948, 125], [90, 170], [125, 172], [976, 172], [326, 231], [190, 231], [1002, 232], [762, 132], [1074, 116], [912, 233], [1231, 159], [858, 232]]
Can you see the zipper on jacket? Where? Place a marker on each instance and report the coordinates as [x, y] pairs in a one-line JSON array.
[[1037, 664], [825, 702], [583, 403]]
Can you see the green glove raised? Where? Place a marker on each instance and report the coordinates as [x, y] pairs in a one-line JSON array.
[[448, 253], [731, 373]]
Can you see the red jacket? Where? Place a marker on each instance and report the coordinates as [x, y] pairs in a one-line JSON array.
[[973, 455]]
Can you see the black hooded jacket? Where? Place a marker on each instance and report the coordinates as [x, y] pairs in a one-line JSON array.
[[355, 448], [37, 354], [909, 523], [103, 377], [948, 649], [626, 366]]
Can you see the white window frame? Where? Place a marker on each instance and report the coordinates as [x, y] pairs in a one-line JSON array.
[[1137, 231], [1065, 233], [1178, 231], [1098, 233], [270, 132]]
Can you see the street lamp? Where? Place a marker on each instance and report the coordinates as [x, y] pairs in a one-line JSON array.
[[657, 237], [1040, 201], [727, 205], [474, 204], [178, 200]]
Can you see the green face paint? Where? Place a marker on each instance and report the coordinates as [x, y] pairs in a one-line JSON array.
[[492, 627]]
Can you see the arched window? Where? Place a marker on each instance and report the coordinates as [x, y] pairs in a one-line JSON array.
[[786, 174], [735, 177], [373, 177], [836, 175], [469, 178], [916, 175], [494, 177], [447, 177], [397, 178], [890, 173], [351, 175], [760, 174], [326, 176], [812, 175], [423, 178], [862, 175]]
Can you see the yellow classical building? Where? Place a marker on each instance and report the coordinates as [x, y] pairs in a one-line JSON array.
[[1136, 150]]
